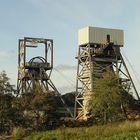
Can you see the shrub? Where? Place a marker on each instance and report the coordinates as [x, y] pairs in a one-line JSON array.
[[18, 133]]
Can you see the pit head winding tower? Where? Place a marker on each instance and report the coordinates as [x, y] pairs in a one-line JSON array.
[[98, 48], [37, 70]]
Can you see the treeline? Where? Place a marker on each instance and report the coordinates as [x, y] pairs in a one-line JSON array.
[[37, 110], [8, 113]]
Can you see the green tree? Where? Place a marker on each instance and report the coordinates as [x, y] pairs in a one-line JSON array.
[[6, 100], [109, 98], [36, 106]]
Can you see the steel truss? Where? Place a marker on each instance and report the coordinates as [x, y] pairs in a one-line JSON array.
[[93, 59], [37, 71]]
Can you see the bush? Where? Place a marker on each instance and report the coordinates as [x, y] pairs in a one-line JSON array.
[[18, 133]]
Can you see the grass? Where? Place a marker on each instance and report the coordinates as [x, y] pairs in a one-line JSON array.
[[18, 133], [116, 131]]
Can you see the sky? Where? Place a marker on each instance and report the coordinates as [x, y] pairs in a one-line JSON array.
[[60, 20]]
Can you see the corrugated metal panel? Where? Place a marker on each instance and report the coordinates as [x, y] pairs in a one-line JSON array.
[[83, 36], [99, 36]]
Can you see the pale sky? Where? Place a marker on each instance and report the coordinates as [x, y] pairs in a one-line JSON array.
[[60, 21]]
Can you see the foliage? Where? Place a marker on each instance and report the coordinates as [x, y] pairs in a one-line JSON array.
[[69, 98], [18, 133], [115, 131], [7, 117], [36, 107], [109, 98], [5, 87]]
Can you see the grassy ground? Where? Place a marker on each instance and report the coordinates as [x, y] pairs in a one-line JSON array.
[[117, 131]]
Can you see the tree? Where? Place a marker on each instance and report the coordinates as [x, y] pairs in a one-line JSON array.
[[36, 106], [109, 98], [69, 98], [6, 100]]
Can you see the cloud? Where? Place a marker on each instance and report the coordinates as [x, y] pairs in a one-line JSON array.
[[64, 78], [66, 89], [7, 53], [65, 67], [64, 75]]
